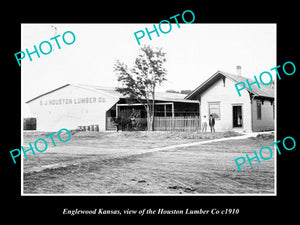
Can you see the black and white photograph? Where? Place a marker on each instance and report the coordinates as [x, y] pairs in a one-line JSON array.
[[146, 110], [159, 116]]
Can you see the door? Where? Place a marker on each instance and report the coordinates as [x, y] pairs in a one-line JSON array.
[[237, 116]]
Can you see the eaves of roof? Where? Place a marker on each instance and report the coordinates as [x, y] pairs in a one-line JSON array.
[[263, 91]]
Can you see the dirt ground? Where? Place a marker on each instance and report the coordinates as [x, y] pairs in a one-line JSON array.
[[105, 163]]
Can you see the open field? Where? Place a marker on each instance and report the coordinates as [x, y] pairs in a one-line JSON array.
[[106, 163]]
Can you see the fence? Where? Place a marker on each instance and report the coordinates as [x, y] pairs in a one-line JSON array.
[[178, 123], [187, 123]]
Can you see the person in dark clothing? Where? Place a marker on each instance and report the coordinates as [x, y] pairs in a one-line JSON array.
[[133, 117], [211, 123]]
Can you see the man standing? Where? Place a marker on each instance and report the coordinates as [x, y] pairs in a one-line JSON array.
[[204, 124], [212, 123]]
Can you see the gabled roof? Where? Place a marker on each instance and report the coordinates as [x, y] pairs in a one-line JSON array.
[[47, 93], [160, 96], [263, 91]]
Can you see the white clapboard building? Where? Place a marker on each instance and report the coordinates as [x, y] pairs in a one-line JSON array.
[[254, 110]]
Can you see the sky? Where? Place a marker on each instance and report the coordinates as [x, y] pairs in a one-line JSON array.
[[194, 53]]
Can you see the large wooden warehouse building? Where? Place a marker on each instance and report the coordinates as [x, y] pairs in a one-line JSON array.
[[74, 105]]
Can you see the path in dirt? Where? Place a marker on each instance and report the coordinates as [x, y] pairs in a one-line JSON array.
[[245, 136], [122, 153]]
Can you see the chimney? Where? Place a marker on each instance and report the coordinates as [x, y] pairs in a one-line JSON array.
[[239, 70]]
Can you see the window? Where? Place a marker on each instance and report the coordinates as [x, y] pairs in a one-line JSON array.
[[258, 110], [214, 109]]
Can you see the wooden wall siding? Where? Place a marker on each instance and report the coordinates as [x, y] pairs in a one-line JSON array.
[[227, 97], [267, 118]]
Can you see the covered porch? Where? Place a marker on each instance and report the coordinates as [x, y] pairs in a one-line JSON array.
[[168, 115]]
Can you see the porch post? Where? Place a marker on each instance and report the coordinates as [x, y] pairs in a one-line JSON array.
[[173, 122], [117, 110], [173, 110]]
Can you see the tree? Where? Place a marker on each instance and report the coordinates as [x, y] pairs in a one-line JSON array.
[[171, 91], [140, 81], [185, 92]]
